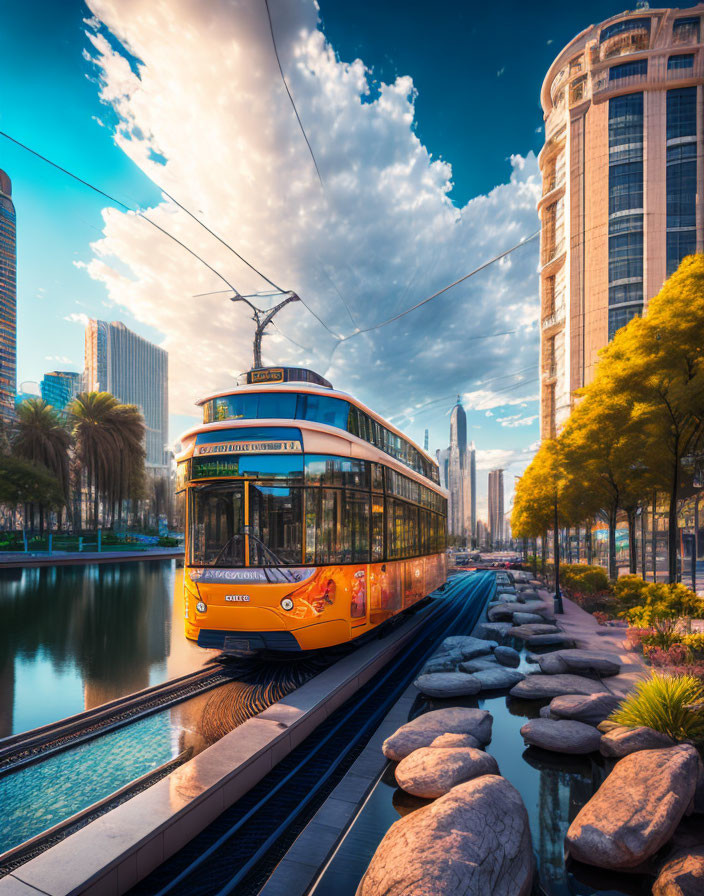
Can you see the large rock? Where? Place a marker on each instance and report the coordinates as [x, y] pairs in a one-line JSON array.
[[447, 684], [507, 656], [623, 741], [467, 646], [422, 731], [563, 736], [474, 841], [682, 874], [591, 708], [527, 619], [636, 810], [476, 665], [498, 678], [539, 687], [555, 640], [442, 662], [494, 630], [455, 740], [524, 632], [431, 771], [582, 662]]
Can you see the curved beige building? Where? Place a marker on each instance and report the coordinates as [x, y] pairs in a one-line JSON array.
[[620, 166]]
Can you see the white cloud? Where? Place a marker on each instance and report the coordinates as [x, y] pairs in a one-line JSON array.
[[78, 317], [501, 71], [520, 421], [60, 359], [384, 231]]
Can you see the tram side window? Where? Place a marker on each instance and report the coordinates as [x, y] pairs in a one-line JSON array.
[[401, 529], [337, 471], [323, 409], [275, 516], [337, 526]]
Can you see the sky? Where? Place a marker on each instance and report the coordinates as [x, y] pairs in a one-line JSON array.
[[424, 121]]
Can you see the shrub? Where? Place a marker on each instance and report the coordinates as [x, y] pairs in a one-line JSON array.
[[674, 655], [584, 579], [168, 541], [628, 590], [601, 617], [667, 703], [635, 637], [662, 602], [695, 642]]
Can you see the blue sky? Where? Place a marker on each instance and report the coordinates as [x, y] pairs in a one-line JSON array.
[[477, 71]]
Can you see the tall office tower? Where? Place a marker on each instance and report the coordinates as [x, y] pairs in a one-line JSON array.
[[496, 507], [470, 494], [136, 372], [426, 441], [59, 387], [8, 300], [621, 167], [456, 467], [443, 458]]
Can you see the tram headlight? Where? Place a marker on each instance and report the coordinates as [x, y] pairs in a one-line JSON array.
[[287, 604], [201, 607]]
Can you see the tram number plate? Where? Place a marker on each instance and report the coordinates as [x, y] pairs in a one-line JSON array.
[[236, 644]]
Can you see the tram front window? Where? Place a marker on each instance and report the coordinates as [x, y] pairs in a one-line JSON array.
[[217, 524], [275, 516]]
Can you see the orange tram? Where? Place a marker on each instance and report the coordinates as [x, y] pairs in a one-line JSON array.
[[309, 519]]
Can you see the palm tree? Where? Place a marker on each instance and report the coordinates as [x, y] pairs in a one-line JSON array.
[[109, 448], [41, 437]]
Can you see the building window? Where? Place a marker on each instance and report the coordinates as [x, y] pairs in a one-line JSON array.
[[686, 30], [681, 182], [684, 60], [625, 209], [624, 27], [620, 316], [629, 70]]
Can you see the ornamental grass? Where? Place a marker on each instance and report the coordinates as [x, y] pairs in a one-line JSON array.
[[671, 704]]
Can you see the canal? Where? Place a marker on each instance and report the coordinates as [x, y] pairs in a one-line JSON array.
[[74, 637]]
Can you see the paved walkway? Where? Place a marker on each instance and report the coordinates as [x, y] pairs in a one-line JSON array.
[[21, 560], [584, 630]]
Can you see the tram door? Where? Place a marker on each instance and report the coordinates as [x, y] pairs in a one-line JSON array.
[[217, 524]]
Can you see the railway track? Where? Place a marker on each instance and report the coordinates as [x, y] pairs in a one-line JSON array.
[[238, 851]]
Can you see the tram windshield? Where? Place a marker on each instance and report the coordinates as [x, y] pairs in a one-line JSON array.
[[275, 516], [217, 523]]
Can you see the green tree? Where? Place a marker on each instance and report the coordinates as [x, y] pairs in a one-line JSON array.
[[23, 482], [41, 437]]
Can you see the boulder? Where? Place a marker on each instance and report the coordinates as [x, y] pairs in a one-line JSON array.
[[498, 678], [682, 874], [538, 687], [553, 640], [476, 665], [467, 646], [422, 731], [636, 809], [455, 740], [432, 771], [500, 612], [527, 619], [582, 662], [562, 736], [529, 593], [532, 629], [590, 708], [537, 606], [473, 841], [622, 741], [494, 630], [507, 656], [447, 684], [442, 662]]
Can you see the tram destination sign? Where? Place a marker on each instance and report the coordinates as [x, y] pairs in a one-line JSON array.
[[280, 446]]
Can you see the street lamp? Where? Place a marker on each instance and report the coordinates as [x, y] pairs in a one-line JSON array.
[[559, 607]]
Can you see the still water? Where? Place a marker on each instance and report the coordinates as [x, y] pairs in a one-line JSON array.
[[73, 637]]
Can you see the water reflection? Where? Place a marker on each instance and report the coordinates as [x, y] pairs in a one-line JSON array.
[[74, 637]]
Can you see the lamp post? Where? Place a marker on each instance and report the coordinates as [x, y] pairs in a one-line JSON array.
[[559, 607], [262, 319]]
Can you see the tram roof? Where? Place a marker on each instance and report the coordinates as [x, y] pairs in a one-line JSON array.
[[317, 390]]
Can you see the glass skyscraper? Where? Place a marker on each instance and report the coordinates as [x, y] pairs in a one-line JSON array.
[[59, 387], [623, 157], [458, 474], [136, 372], [8, 300]]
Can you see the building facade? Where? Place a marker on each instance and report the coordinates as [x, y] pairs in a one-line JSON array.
[[135, 371], [60, 387], [470, 494], [458, 474], [8, 300], [496, 507], [622, 161]]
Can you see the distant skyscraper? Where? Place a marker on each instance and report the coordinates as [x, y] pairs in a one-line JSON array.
[[496, 506], [425, 445], [456, 466], [136, 372], [59, 387], [8, 300], [470, 493]]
